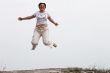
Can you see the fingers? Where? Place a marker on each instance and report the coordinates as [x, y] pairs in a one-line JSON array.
[[56, 24], [20, 19]]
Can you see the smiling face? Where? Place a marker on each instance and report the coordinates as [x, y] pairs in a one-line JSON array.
[[42, 7]]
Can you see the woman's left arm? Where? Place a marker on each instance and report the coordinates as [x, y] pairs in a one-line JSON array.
[[51, 20]]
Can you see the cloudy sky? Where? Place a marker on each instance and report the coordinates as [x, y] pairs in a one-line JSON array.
[[83, 34]]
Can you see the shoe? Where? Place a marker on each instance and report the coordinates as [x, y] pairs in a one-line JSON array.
[[55, 45], [33, 47]]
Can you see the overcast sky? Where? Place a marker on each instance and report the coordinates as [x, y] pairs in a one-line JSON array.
[[83, 34]]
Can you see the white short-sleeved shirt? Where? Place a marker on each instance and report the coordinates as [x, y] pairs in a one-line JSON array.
[[41, 18]]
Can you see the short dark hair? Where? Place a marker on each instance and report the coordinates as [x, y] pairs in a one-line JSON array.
[[42, 3]]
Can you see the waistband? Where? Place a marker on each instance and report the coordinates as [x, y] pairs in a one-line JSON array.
[[41, 29]]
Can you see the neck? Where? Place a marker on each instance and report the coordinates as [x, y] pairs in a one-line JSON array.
[[42, 11]]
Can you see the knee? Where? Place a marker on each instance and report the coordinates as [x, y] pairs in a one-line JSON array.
[[34, 43], [46, 43]]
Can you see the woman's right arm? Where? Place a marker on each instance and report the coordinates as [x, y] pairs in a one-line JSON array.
[[26, 18]]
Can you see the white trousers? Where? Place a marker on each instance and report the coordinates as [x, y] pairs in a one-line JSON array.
[[44, 33]]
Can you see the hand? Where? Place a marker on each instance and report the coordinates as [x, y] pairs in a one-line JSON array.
[[56, 24], [20, 19]]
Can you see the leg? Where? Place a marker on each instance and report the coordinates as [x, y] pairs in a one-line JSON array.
[[35, 39], [45, 37]]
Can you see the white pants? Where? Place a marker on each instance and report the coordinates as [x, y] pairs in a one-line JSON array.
[[44, 33]]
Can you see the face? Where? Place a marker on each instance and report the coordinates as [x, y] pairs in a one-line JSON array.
[[42, 7]]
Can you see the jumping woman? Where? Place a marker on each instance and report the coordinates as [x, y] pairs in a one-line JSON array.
[[41, 29]]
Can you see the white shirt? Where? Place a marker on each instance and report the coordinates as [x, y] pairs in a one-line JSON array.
[[41, 17]]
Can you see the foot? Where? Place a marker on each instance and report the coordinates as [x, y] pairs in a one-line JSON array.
[[33, 47], [55, 45]]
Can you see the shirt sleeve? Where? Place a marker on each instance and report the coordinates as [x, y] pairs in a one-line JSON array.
[[34, 14], [48, 15]]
